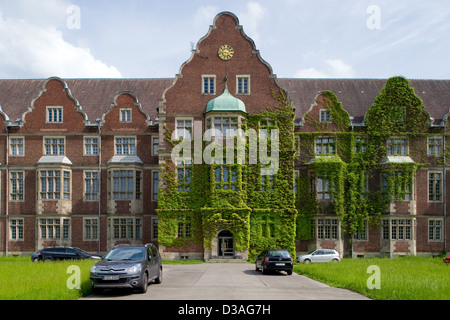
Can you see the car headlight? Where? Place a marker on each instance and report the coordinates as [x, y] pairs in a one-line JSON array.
[[93, 269], [134, 269]]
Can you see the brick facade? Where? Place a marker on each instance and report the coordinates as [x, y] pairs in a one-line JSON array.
[[76, 139]]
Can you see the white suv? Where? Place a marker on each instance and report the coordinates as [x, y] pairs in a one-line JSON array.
[[320, 255]]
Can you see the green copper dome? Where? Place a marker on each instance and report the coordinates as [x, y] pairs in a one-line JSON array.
[[225, 102]]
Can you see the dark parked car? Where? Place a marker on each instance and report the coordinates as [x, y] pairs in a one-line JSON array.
[[127, 266], [279, 260], [61, 253]]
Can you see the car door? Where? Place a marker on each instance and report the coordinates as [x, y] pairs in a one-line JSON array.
[[260, 259], [151, 262], [317, 256]]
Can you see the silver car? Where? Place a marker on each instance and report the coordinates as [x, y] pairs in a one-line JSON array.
[[320, 255]]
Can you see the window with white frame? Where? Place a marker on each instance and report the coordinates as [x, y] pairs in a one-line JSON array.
[[267, 182], [16, 146], [225, 177], [90, 228], [361, 232], [54, 146], [16, 185], [435, 229], [91, 146], [209, 84], [155, 146], [125, 115], [126, 184], [243, 84], [91, 183], [54, 229], [434, 146], [227, 126], [323, 189], [184, 128], [54, 114], [267, 127], [16, 229], [54, 184], [184, 175], [434, 186], [325, 115], [184, 227], [397, 186], [360, 145], [327, 229], [126, 228], [397, 229], [397, 147], [125, 145], [325, 145]]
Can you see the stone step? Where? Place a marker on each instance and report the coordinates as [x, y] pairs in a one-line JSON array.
[[225, 260]]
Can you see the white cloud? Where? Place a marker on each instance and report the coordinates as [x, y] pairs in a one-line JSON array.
[[334, 68], [252, 18], [33, 48]]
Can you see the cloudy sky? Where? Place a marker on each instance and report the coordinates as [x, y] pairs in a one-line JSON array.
[[152, 38]]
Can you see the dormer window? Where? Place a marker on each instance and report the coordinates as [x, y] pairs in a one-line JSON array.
[[209, 84], [325, 115], [125, 115]]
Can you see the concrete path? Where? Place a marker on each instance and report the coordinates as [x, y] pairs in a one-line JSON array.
[[231, 281]]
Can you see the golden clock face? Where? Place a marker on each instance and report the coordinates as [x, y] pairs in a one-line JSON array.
[[226, 52]]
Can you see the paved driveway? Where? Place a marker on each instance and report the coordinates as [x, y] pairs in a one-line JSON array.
[[231, 281]]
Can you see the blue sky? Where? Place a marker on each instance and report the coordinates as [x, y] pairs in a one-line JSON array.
[[152, 38]]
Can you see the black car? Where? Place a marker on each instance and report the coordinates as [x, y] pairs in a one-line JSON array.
[[275, 259], [127, 266], [61, 253]]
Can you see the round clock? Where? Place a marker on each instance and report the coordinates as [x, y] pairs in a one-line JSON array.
[[226, 52]]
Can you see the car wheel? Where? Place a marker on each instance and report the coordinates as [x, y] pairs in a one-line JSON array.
[[256, 267], [36, 259], [159, 277], [307, 261], [335, 260], [144, 284], [289, 272], [263, 270]]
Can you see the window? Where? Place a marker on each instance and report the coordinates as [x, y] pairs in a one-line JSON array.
[[325, 115], [327, 229], [184, 129], [209, 84], [16, 146], [17, 184], [184, 170], [91, 185], [125, 115], [296, 177], [323, 189], [155, 185], [126, 184], [434, 230], [226, 125], [125, 146], [51, 182], [397, 114], [361, 232], [54, 146], [266, 128], [54, 114], [360, 145], [54, 229], [90, 228], [434, 146], [155, 222], [267, 182], [397, 186], [184, 227], [16, 229], [434, 186], [225, 177], [155, 146], [91, 146], [397, 229], [397, 147], [243, 84], [127, 228], [325, 145]]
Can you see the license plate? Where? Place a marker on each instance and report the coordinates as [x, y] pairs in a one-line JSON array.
[[110, 277], [279, 264]]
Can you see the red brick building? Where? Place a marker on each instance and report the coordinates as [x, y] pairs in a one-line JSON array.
[[81, 160]]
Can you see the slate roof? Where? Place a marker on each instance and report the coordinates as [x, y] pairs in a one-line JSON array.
[[96, 95]]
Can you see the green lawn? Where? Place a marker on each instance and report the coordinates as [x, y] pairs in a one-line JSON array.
[[408, 278]]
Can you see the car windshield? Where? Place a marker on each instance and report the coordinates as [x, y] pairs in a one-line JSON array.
[[279, 253], [126, 254]]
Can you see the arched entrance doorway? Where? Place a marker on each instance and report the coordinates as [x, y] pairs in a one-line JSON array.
[[225, 244]]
